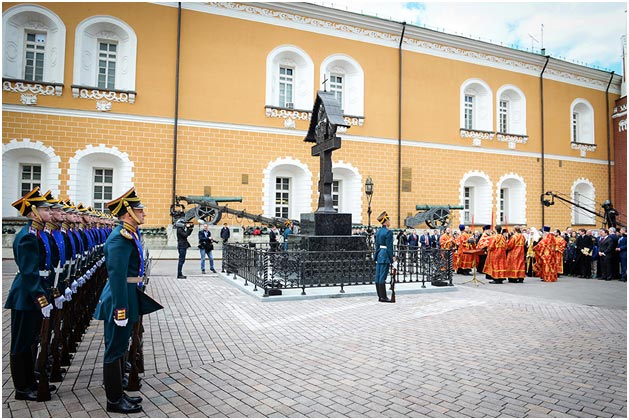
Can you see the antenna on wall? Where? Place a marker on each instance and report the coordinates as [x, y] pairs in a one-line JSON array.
[[542, 43]]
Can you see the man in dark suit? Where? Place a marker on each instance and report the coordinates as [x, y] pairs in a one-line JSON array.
[[225, 233], [622, 253], [183, 231], [605, 254], [615, 259], [425, 240], [435, 238]]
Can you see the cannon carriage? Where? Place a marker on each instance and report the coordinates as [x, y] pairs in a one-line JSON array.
[[209, 210], [435, 217]]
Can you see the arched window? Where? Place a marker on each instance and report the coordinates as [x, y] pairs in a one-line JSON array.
[[105, 54], [27, 164], [582, 122], [475, 195], [287, 188], [346, 79], [347, 190], [98, 175], [511, 115], [289, 78], [583, 194], [511, 200], [476, 105], [33, 44]]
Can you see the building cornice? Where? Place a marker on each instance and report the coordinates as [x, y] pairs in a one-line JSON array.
[[111, 116], [351, 25]]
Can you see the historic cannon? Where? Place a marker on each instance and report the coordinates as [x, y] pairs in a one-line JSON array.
[[208, 210], [435, 217]]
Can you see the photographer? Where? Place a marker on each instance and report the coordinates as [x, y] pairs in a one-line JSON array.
[[183, 231], [206, 246]]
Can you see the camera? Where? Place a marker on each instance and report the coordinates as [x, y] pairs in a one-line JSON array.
[[182, 224]]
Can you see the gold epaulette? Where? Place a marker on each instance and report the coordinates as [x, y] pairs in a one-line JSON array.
[[125, 234]]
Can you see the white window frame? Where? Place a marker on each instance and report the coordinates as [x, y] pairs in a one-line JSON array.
[[32, 181], [106, 59], [353, 89], [482, 115], [503, 204], [99, 203], [503, 116], [514, 117], [469, 112], [283, 193], [87, 36], [303, 82], [23, 18], [468, 204], [337, 194], [286, 81], [38, 49], [582, 128], [336, 87], [585, 188]]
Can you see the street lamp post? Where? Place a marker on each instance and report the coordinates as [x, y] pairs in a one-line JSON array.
[[369, 193]]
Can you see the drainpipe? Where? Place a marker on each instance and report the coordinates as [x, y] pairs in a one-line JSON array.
[[541, 84], [176, 102], [609, 153], [399, 131]]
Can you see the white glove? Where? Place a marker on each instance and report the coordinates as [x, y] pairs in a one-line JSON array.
[[46, 310], [122, 323], [59, 302], [68, 294], [74, 286], [81, 281]]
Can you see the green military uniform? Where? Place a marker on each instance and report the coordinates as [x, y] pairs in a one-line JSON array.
[[27, 296], [122, 301]]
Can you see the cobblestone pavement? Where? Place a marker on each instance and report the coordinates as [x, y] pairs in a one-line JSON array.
[[530, 350]]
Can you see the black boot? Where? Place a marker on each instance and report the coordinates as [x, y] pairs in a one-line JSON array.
[[383, 291], [379, 292], [112, 374], [21, 365], [132, 400]]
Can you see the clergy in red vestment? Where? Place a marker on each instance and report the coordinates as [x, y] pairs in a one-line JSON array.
[[496, 262], [446, 241], [545, 256], [516, 269], [465, 261], [561, 247]]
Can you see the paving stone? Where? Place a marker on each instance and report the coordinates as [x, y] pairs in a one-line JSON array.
[[474, 352]]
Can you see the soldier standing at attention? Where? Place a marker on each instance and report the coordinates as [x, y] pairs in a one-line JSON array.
[[119, 304], [27, 297], [383, 255]]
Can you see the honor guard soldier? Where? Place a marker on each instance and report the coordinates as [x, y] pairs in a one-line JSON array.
[[122, 302], [383, 255], [27, 296]]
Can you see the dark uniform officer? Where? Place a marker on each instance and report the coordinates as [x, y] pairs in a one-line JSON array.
[[27, 297], [383, 255], [121, 301]]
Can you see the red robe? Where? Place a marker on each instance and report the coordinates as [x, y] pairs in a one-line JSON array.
[[515, 257], [446, 241], [561, 247], [466, 261], [496, 262], [545, 258]]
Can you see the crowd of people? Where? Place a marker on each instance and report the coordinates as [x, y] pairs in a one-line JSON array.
[[513, 254]]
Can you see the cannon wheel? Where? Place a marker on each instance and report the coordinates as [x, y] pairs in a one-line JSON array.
[[208, 214], [439, 218]]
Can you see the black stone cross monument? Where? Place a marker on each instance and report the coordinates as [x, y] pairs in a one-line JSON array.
[[326, 229]]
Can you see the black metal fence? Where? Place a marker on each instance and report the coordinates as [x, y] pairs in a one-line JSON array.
[[273, 270]]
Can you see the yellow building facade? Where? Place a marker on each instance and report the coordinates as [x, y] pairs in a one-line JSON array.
[[215, 98]]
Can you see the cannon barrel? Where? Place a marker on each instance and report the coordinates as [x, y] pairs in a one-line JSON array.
[[198, 199], [428, 207]]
